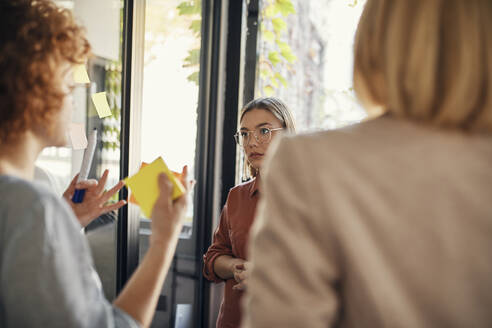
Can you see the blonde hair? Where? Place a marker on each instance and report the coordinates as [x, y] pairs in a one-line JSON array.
[[427, 60], [279, 109]]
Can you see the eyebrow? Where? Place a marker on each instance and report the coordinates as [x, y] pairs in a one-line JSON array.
[[258, 125]]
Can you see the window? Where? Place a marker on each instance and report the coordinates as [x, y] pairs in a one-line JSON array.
[[168, 73], [170, 84], [305, 58]]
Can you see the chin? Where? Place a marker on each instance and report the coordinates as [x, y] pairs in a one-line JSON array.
[[61, 141], [256, 163]]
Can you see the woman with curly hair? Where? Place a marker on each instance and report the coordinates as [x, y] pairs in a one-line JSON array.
[[46, 270]]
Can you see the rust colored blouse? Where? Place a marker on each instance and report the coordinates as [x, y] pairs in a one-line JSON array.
[[231, 239]]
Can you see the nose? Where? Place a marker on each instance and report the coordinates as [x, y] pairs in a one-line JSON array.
[[253, 141]]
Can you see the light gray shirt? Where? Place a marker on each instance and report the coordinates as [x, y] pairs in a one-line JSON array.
[[46, 271]]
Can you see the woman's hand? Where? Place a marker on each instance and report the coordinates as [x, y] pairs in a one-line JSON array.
[[241, 275], [168, 215], [95, 198], [139, 296]]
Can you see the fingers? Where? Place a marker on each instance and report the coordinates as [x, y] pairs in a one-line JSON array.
[[240, 266], [165, 189], [86, 184], [112, 207], [181, 202], [236, 277], [108, 194], [184, 177], [242, 275], [102, 182], [238, 272], [71, 187], [188, 184], [240, 286]]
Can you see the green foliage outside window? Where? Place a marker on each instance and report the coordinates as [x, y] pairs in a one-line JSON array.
[[353, 4], [273, 28], [193, 9], [280, 57], [110, 127]]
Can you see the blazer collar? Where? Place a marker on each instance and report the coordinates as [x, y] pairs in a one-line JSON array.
[[255, 185]]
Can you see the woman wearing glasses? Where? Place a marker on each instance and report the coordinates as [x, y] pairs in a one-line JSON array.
[[226, 258]]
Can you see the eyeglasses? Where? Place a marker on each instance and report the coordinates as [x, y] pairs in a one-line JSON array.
[[262, 135]]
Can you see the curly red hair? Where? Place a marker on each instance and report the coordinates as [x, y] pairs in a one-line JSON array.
[[36, 39]]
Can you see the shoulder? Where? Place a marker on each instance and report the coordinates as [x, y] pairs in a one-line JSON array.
[[362, 132], [22, 200], [243, 187], [240, 191], [21, 193], [318, 166], [318, 150]]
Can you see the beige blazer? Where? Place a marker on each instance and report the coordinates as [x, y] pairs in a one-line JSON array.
[[382, 224]]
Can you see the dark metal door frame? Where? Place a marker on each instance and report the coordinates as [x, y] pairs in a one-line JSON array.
[[127, 239]]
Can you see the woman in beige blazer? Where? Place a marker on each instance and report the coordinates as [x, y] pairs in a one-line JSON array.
[[388, 223]]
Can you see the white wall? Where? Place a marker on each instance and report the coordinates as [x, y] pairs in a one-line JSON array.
[[101, 18]]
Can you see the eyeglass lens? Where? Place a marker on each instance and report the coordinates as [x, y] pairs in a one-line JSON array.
[[261, 134]]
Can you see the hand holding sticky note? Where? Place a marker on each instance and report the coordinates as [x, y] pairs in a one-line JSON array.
[[144, 185]]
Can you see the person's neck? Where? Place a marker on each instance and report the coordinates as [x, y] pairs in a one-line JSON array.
[[17, 157]]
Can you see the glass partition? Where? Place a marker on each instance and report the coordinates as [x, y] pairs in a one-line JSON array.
[[170, 90], [170, 85], [57, 166]]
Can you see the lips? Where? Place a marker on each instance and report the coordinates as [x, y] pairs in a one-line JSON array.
[[255, 155]]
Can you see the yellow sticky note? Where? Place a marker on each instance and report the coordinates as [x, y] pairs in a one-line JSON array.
[[101, 103], [144, 185], [80, 74], [132, 199]]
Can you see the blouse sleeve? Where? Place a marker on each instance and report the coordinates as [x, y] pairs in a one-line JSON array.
[[47, 277], [294, 276], [221, 245]]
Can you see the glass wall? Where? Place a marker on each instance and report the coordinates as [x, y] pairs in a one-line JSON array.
[[170, 84], [305, 54], [57, 166], [170, 90]]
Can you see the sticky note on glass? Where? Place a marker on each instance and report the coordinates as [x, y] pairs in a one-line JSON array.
[[101, 103], [77, 135], [144, 185], [80, 74]]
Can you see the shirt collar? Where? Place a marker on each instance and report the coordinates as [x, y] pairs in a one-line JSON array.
[[255, 186]]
